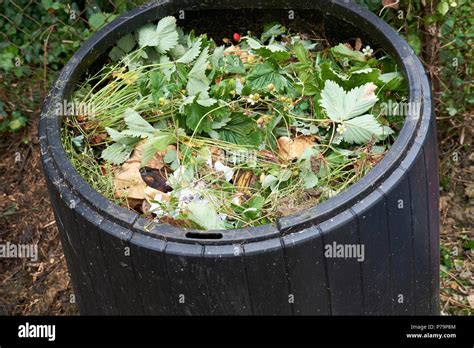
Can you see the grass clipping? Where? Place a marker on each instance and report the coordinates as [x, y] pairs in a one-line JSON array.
[[203, 136]]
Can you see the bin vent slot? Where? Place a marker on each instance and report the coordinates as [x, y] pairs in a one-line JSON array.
[[204, 235]]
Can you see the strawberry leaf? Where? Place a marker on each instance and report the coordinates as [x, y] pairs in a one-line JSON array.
[[204, 215], [137, 125], [192, 53], [147, 36], [362, 129], [341, 105], [117, 153], [264, 74], [167, 34]]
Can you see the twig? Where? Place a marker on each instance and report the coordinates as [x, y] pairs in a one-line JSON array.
[[48, 224], [45, 59], [23, 164]]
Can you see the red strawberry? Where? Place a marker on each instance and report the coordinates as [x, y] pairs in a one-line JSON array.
[[236, 37]]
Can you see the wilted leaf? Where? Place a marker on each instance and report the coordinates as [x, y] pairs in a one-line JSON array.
[[204, 215], [290, 149]]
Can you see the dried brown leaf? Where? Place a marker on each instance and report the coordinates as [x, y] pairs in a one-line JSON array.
[[290, 149]]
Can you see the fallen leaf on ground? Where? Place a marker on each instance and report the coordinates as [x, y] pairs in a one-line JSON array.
[[470, 299], [290, 149], [391, 3]]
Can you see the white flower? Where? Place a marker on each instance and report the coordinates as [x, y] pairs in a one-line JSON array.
[[341, 129], [228, 172], [253, 98], [367, 51]]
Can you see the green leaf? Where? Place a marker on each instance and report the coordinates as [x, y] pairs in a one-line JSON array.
[[18, 122], [415, 42], [362, 129], [205, 216], [47, 4], [117, 153], [272, 32], [116, 53], [164, 37], [272, 47], [171, 158], [284, 175], [241, 130], [167, 34], [275, 47], [301, 53], [199, 117], [217, 55], [264, 74], [269, 181], [233, 65], [192, 53], [218, 124], [177, 51], [137, 124], [310, 179], [157, 82], [154, 144], [197, 86], [197, 79], [223, 89], [200, 66], [253, 207], [120, 137], [206, 101], [97, 20], [359, 77], [253, 44], [78, 141], [442, 8], [6, 61], [343, 51], [147, 36], [341, 105], [126, 43], [392, 81], [166, 66]]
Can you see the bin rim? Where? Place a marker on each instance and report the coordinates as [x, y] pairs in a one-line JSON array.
[[382, 33]]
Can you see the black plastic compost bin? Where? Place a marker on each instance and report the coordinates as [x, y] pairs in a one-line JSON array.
[[122, 264]]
